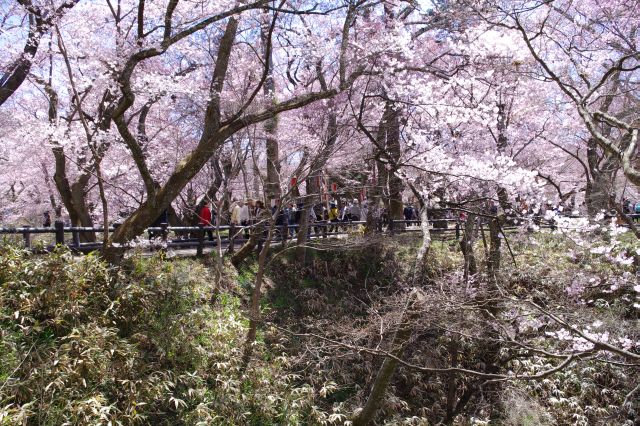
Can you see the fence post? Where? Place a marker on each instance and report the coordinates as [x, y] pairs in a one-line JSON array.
[[164, 232], [457, 230], [27, 237], [59, 226], [76, 239], [232, 232], [391, 229], [200, 248], [324, 229]]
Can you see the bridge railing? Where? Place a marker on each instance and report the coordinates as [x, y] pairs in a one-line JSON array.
[[195, 236], [175, 236]]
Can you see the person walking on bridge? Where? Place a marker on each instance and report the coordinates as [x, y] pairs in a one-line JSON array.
[[234, 211], [333, 216], [205, 219], [245, 217]]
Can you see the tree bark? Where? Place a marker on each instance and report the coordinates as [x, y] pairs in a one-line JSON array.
[[380, 181], [272, 184], [601, 185], [313, 192], [248, 247], [73, 195], [494, 247], [315, 170], [396, 207], [501, 143], [466, 247], [39, 23]]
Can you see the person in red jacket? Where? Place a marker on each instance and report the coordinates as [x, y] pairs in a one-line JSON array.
[[205, 219]]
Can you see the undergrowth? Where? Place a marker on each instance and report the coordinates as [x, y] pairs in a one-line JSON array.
[[159, 341], [83, 344]]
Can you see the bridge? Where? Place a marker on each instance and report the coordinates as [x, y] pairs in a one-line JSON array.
[[190, 237]]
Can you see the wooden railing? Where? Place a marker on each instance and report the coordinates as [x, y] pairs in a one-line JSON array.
[[166, 236], [173, 236]]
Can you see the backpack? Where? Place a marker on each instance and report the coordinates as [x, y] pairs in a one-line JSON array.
[[637, 207]]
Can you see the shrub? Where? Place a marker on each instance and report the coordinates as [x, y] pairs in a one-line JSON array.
[[85, 344]]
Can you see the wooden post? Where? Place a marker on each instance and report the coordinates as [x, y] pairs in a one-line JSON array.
[[164, 232], [76, 239], [27, 237], [59, 226], [457, 230], [324, 229], [200, 249], [391, 229], [232, 232]]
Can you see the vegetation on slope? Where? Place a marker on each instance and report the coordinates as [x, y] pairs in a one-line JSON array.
[[159, 341]]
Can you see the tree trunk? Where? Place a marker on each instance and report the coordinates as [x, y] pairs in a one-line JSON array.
[[211, 139], [18, 71], [491, 300], [74, 199], [254, 310], [466, 247], [315, 169], [494, 247], [73, 196], [313, 191], [389, 365], [501, 143], [601, 186], [272, 184], [257, 178], [248, 247], [379, 181], [396, 207]]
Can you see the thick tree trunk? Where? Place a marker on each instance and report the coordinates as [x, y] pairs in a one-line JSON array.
[[74, 199], [215, 132], [272, 184], [79, 193], [18, 71], [380, 180], [211, 139], [494, 246], [598, 194], [601, 185], [503, 196], [396, 207], [383, 181], [73, 196], [257, 178]]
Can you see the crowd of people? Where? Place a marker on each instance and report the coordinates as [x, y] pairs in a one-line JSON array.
[[244, 213]]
